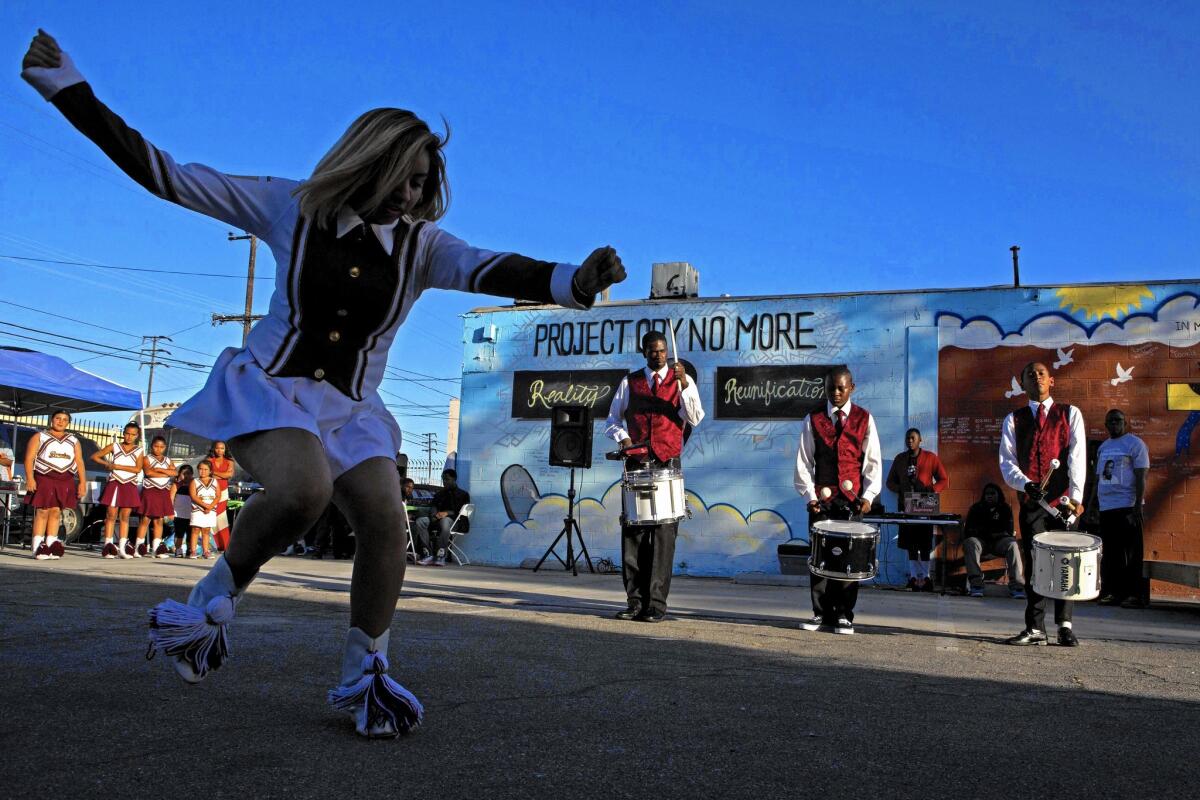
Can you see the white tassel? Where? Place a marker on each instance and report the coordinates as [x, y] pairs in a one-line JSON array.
[[380, 706], [195, 637]]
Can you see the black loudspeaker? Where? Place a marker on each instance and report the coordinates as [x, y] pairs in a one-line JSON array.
[[571, 437]]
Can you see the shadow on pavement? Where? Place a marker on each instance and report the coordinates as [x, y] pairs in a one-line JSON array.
[[525, 703]]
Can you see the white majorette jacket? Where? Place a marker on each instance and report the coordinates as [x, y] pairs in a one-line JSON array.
[[340, 294], [56, 455], [132, 458]]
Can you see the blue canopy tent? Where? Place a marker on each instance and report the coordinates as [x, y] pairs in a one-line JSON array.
[[35, 383]]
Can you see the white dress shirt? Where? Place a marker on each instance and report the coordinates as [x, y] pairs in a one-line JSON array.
[[872, 468], [1076, 464], [690, 410]]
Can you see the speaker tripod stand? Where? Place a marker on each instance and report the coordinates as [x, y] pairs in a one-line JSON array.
[[570, 528]]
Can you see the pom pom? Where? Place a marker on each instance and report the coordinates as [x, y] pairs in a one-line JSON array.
[[196, 637], [380, 706]]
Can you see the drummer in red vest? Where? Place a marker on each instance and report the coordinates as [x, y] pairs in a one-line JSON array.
[[1030, 439], [838, 443], [652, 405]]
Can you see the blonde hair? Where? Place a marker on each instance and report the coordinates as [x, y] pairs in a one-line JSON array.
[[376, 154]]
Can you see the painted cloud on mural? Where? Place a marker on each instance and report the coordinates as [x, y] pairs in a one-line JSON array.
[[1171, 321], [720, 529]]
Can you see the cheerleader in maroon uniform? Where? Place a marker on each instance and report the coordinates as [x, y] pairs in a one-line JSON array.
[[205, 493], [157, 503], [123, 460], [53, 460]]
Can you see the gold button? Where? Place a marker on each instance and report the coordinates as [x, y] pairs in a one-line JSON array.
[[341, 312], [334, 336], [355, 272], [318, 373]]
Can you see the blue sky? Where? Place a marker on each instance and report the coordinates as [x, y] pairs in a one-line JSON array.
[[779, 147]]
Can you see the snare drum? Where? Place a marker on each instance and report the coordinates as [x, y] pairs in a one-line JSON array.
[[1066, 566], [652, 496], [843, 550]]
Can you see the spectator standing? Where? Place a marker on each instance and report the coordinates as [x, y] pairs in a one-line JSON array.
[[434, 533], [917, 470], [222, 468], [181, 496], [6, 466], [204, 493], [989, 531], [1121, 466]]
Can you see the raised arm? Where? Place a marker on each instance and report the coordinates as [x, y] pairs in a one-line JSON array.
[[250, 203], [451, 263]]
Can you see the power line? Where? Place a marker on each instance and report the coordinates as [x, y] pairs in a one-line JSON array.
[[422, 374], [421, 385], [70, 319], [100, 327], [130, 269], [173, 361], [107, 174], [164, 292]]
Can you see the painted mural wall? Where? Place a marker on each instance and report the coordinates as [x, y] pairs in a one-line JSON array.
[[941, 361]]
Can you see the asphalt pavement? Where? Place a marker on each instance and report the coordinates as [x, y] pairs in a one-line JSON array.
[[531, 689]]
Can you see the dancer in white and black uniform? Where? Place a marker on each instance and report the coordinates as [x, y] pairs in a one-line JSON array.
[[355, 246]]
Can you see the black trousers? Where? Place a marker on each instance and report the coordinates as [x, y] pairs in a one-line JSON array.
[[647, 559], [1121, 561], [1034, 520], [832, 598]]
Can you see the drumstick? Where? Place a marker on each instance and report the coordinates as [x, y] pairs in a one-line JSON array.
[[1054, 464], [826, 493], [674, 349], [847, 486]]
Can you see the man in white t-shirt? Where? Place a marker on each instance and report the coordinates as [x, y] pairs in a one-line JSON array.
[[1121, 465]]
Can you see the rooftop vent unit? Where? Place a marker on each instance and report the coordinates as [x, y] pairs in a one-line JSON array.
[[674, 279]]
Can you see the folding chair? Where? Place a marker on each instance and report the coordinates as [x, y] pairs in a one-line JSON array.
[[411, 551], [456, 552]]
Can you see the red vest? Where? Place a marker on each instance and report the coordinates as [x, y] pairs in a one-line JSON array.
[[654, 416], [839, 458], [1037, 446]]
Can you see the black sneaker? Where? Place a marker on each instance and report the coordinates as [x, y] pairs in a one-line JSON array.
[[1066, 638], [814, 624], [653, 615], [844, 627], [1027, 637], [1107, 600]]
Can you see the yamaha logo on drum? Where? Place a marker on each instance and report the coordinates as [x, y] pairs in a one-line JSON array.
[[1064, 576]]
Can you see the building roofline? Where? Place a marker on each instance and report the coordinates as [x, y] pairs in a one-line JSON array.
[[750, 298]]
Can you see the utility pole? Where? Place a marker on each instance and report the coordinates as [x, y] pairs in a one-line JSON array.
[[1016, 270], [155, 351], [247, 319], [429, 439]]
